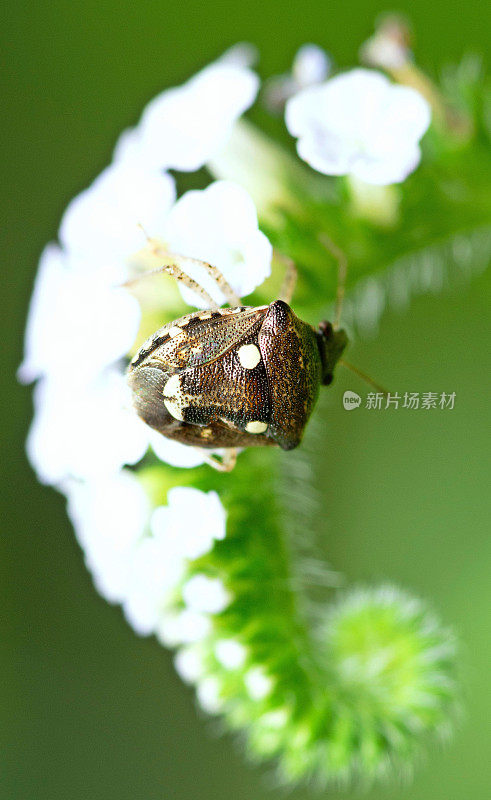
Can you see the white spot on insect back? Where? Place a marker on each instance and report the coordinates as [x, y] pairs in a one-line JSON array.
[[249, 356], [173, 398], [256, 427], [175, 331]]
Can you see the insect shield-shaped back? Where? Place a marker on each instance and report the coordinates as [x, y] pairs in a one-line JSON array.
[[234, 377]]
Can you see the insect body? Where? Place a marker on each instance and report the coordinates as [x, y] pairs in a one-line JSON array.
[[234, 377]]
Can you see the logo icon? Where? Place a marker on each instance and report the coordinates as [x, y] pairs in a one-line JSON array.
[[351, 400]]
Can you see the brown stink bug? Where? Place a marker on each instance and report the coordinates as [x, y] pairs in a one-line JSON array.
[[234, 377]]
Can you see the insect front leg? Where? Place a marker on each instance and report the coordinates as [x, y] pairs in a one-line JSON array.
[[226, 464], [178, 273], [178, 266], [181, 261], [222, 284]]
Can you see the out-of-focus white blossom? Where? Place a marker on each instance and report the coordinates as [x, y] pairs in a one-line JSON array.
[[184, 529], [77, 324], [84, 432], [208, 694], [389, 47], [258, 684], [208, 595], [174, 453], [156, 571], [183, 128], [186, 627], [230, 653], [219, 225], [189, 664], [260, 166], [385, 52], [361, 124], [192, 520], [109, 517], [311, 65], [104, 224], [242, 54], [140, 559]]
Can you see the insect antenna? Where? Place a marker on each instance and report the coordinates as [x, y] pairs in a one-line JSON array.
[[342, 262], [290, 278], [363, 376]]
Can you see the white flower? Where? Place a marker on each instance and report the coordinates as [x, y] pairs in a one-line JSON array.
[[384, 51], [77, 324], [183, 128], [156, 571], [359, 123], [388, 48], [208, 694], [257, 683], [186, 627], [189, 664], [174, 453], [192, 520], [109, 517], [182, 530], [219, 225], [241, 54], [311, 65], [104, 224], [84, 432], [140, 559], [204, 594], [230, 653]]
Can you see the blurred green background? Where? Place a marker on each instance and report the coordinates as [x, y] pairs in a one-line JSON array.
[[88, 710]]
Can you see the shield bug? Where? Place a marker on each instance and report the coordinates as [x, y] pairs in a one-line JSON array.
[[234, 377]]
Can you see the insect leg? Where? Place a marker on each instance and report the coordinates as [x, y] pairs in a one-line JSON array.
[[179, 274], [183, 261], [289, 280], [227, 463], [222, 283], [213, 272], [158, 250], [340, 257]]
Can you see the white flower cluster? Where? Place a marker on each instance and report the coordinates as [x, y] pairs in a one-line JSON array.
[[83, 322], [139, 557]]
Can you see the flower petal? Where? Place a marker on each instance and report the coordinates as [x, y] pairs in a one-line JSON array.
[[109, 517], [86, 432], [105, 223], [219, 225], [77, 324], [183, 128], [359, 123], [192, 519]]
